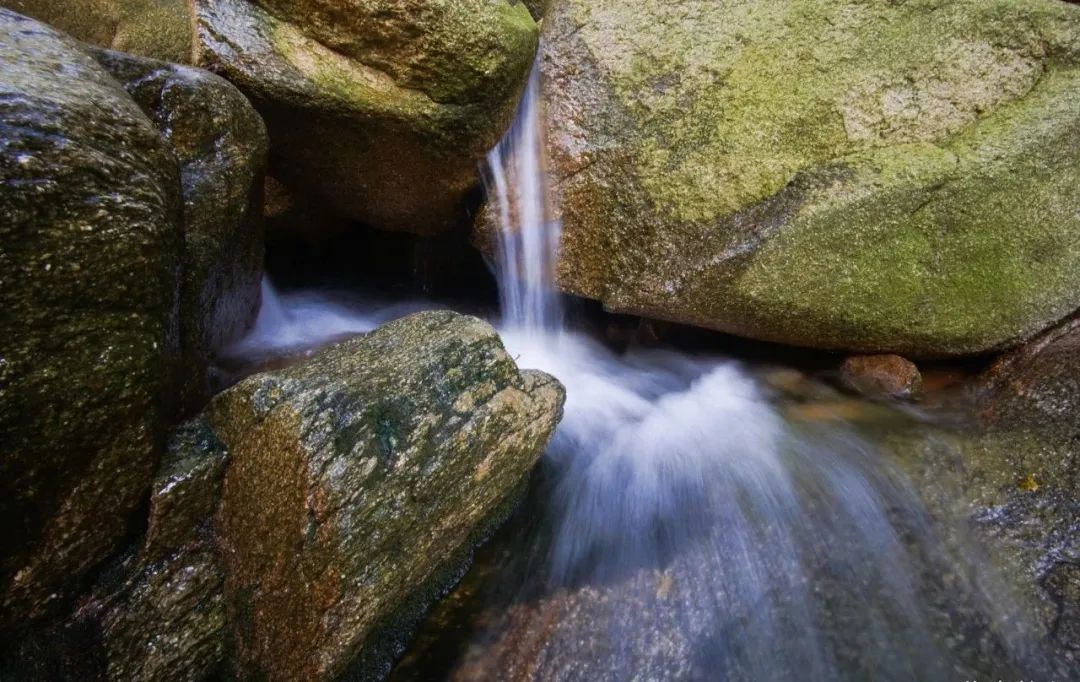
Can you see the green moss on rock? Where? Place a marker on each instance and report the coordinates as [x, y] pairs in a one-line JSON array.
[[866, 176], [161, 29]]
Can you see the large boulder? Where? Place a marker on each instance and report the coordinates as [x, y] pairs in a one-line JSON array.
[[381, 111], [299, 527], [894, 176], [358, 483], [161, 29], [221, 145], [89, 195]]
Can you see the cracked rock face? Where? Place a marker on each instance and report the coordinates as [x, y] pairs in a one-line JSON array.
[[874, 177]]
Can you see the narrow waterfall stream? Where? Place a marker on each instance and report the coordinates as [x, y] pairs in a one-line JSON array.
[[683, 526]]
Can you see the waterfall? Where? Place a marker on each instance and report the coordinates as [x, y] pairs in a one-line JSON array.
[[528, 236]]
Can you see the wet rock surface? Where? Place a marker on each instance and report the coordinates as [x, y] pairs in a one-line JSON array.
[[1037, 385], [90, 264], [157, 612], [221, 145], [891, 177], [358, 483]]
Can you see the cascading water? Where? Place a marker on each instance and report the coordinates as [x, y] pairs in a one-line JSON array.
[[528, 237], [684, 527], [691, 532]]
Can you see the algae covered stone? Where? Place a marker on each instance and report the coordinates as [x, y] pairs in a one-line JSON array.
[[879, 177], [161, 29], [358, 483], [90, 271], [380, 111]]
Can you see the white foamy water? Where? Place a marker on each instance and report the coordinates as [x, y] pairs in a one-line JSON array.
[[301, 320]]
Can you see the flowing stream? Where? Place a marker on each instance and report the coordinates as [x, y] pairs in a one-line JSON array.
[[685, 528]]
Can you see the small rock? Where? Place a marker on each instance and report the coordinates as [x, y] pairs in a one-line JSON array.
[[882, 376]]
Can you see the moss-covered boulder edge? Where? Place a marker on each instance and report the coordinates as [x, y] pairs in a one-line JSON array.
[[875, 177]]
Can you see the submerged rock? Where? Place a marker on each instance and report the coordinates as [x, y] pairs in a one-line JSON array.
[[1019, 469], [359, 482], [90, 266], [221, 145], [161, 29], [381, 112], [876, 177], [882, 376]]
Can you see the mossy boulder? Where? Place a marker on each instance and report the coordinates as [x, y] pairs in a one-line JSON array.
[[221, 144], [161, 29], [878, 177], [89, 194], [358, 483], [381, 111]]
